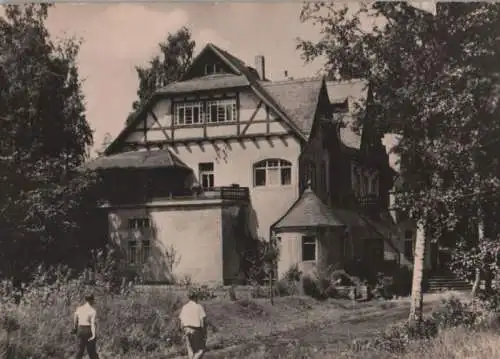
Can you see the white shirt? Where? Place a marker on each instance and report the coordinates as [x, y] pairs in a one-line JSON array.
[[192, 315], [85, 315]]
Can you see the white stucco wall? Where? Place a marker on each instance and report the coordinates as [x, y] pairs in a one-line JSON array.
[[194, 232]]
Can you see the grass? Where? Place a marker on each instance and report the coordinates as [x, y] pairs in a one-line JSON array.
[[144, 324]]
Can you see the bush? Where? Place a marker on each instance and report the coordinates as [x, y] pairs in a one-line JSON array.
[[454, 313], [383, 287], [290, 283], [40, 323], [318, 287], [202, 292]]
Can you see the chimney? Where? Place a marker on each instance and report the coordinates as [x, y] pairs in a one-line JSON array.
[[260, 66]]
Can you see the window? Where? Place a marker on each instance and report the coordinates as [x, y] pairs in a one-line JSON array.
[[206, 171], [310, 172], [308, 248], [408, 249], [356, 185], [221, 111], [139, 223], [138, 255], [146, 250], [272, 173], [132, 252], [211, 69], [373, 184], [189, 113], [322, 174]]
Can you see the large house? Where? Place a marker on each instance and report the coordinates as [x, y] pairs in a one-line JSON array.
[[225, 156]]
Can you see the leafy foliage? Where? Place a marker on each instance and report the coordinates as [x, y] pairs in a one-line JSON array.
[[176, 56], [45, 202], [434, 81]]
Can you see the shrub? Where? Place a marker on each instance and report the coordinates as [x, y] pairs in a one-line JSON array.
[[383, 287], [290, 283], [454, 313], [318, 287], [203, 292], [133, 323]]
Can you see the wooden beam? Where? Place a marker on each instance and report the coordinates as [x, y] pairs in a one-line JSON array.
[[251, 118], [268, 120], [159, 124], [238, 129], [172, 122], [200, 140], [205, 119]]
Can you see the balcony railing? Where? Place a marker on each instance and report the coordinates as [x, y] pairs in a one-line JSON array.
[[229, 193]]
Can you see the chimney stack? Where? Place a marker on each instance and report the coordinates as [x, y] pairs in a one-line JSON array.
[[260, 66]]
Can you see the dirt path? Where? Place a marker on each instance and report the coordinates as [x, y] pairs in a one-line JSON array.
[[328, 334]]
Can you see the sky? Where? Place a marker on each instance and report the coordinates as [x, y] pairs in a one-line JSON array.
[[117, 37]]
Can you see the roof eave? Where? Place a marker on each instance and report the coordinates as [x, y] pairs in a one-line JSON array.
[[290, 228]]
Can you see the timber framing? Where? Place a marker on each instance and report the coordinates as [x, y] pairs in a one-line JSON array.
[[252, 118], [199, 141], [161, 128]]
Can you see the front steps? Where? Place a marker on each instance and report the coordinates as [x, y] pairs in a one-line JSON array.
[[442, 282]]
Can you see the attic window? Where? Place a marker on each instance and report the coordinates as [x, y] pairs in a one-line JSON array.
[[340, 107], [211, 69]]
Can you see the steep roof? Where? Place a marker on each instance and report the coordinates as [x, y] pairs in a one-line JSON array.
[[308, 211], [355, 92], [138, 159], [298, 98], [211, 82]]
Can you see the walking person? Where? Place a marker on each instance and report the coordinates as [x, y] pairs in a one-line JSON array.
[[194, 324], [85, 328]]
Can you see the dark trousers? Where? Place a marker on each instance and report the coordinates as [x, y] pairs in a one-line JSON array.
[[84, 333]]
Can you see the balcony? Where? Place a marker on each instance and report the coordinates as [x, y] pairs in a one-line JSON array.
[[231, 193], [225, 193]]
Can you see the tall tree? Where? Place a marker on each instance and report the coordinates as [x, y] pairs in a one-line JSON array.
[[435, 81], [45, 137], [176, 54]]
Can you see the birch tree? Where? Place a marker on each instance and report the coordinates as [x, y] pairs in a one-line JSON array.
[[435, 81]]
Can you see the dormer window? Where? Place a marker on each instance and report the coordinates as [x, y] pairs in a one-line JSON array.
[[188, 113], [211, 69]]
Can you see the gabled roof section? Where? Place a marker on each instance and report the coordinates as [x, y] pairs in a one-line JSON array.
[[308, 212], [355, 92], [298, 98], [218, 52]]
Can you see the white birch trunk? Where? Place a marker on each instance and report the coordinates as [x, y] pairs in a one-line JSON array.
[[415, 317]]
